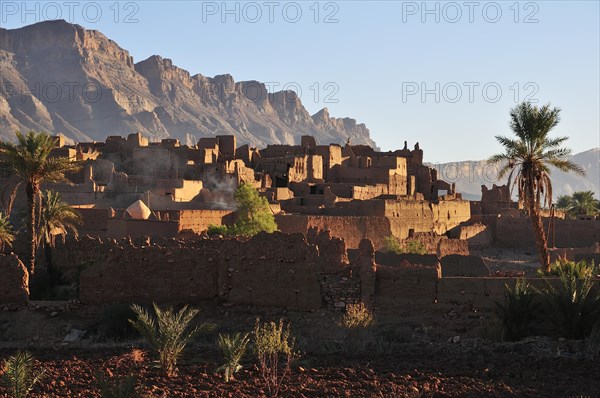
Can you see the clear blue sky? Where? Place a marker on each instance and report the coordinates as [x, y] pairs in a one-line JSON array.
[[378, 56]]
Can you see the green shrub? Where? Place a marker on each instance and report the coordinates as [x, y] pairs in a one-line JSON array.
[[19, 374], [167, 332], [579, 270], [233, 349], [571, 309], [274, 351], [357, 316], [254, 214], [214, 230], [118, 387], [407, 247], [518, 310]]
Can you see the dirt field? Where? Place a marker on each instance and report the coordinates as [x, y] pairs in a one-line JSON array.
[[398, 358]]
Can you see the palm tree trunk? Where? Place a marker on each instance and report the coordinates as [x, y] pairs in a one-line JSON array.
[[540, 236], [30, 190]]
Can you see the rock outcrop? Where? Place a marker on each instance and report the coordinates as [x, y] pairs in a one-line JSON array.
[[62, 78]]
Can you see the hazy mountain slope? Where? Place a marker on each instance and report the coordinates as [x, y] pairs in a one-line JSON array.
[[470, 175], [60, 77]]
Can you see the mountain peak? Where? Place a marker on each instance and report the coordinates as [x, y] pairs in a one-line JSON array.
[[153, 96]]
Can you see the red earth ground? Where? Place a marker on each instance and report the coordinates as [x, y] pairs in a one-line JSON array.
[[400, 357]]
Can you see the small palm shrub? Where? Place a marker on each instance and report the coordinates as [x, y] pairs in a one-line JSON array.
[[117, 387], [573, 308], [167, 332], [357, 316], [233, 349], [408, 247], [518, 310], [579, 270], [19, 374], [274, 351]]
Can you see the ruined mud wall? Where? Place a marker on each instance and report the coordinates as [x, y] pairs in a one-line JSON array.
[[408, 289], [95, 221], [517, 232], [281, 270], [14, 281], [421, 216], [351, 229], [440, 245], [477, 234], [200, 220]]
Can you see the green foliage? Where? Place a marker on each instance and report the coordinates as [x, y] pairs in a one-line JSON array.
[[217, 230], [274, 350], [119, 387], [167, 332], [527, 159], [253, 214], [407, 247], [518, 310], [571, 309], [582, 202], [57, 218], [7, 236], [578, 270], [357, 316], [31, 161], [19, 374], [233, 349]]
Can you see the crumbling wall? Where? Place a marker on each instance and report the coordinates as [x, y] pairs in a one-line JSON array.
[[200, 220], [440, 245], [14, 281], [408, 289], [517, 232], [477, 234], [281, 270], [352, 229], [454, 265], [396, 260]]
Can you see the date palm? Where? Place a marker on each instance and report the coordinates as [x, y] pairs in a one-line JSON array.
[[527, 160], [31, 161], [57, 218], [583, 202], [563, 202], [6, 232]]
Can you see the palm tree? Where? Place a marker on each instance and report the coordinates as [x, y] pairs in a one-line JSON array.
[[6, 234], [528, 158], [583, 202], [30, 160], [563, 202], [57, 218]]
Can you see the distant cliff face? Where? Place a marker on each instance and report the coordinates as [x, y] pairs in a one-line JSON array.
[[470, 175], [60, 77]]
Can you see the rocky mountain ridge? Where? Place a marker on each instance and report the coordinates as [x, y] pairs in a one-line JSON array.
[[62, 78]]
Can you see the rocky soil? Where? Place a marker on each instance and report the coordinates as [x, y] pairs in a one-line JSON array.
[[399, 357]]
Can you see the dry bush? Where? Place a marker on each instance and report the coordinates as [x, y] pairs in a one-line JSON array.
[[274, 351], [357, 316]]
